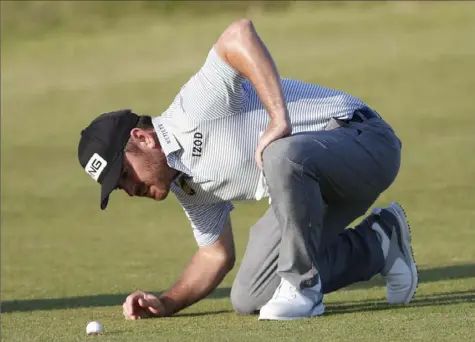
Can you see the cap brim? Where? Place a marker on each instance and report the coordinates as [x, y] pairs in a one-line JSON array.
[[111, 180]]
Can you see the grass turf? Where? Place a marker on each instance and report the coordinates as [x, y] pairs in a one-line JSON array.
[[65, 263]]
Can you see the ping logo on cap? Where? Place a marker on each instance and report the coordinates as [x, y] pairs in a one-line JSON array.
[[95, 166]]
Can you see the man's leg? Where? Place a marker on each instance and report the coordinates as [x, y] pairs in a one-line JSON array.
[[355, 256], [299, 171], [257, 277], [352, 164], [348, 255], [351, 256]]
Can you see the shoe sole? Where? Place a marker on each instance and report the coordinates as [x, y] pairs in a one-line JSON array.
[[317, 311], [405, 231]]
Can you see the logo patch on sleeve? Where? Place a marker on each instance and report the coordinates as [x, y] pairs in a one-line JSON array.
[[95, 166], [187, 189]]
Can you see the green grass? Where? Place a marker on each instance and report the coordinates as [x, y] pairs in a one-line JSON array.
[[64, 262]]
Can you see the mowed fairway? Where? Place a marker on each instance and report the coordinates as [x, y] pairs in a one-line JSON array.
[[64, 262]]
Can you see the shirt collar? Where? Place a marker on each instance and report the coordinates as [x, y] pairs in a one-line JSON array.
[[165, 136]]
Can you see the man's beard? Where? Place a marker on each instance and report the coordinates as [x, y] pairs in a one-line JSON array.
[[156, 165]]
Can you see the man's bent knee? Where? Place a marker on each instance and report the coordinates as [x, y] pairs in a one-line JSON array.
[[280, 154], [242, 301], [278, 150]]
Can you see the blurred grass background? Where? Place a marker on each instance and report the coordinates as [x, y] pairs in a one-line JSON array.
[[36, 18], [62, 63]]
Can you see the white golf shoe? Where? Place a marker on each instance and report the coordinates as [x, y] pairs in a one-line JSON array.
[[400, 270], [288, 303]]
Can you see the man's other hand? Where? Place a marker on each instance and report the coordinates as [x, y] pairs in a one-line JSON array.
[[275, 130], [142, 305]]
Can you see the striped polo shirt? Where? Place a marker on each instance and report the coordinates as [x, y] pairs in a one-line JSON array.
[[210, 132]]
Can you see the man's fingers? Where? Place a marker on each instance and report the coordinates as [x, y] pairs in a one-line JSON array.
[[154, 308], [259, 151], [258, 158], [152, 303], [125, 309], [129, 317], [131, 302], [143, 303], [127, 313], [265, 140], [273, 132]]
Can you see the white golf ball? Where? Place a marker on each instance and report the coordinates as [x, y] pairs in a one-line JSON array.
[[94, 328]]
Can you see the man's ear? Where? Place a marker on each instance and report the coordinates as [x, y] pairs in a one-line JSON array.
[[144, 139]]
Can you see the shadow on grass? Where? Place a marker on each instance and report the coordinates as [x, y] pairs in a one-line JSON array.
[[197, 314], [436, 299], [100, 300], [426, 276]]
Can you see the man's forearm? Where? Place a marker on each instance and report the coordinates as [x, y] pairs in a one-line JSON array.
[[241, 47], [200, 278]]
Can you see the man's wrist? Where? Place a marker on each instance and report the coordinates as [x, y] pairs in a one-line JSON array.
[[168, 306], [280, 118]]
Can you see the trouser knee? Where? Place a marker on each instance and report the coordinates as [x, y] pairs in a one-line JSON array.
[[281, 162], [242, 301]]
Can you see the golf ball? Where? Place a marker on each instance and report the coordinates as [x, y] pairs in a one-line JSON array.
[[94, 328]]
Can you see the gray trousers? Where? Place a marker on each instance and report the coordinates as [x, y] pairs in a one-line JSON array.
[[319, 183]]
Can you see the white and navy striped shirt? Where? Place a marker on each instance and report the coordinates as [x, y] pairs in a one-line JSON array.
[[212, 128]]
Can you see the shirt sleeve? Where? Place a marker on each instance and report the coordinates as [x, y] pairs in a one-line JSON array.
[[215, 91], [207, 220]]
